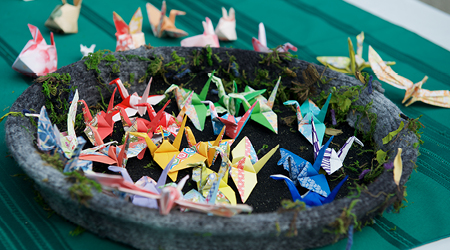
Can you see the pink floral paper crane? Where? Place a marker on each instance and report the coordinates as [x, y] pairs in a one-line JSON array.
[[37, 58], [260, 44], [208, 37], [129, 37]]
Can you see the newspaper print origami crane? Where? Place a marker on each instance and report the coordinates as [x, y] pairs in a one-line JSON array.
[[245, 167], [169, 197], [311, 199], [129, 37], [306, 113], [304, 173], [414, 92], [233, 125], [226, 28], [166, 151], [37, 58], [260, 44], [162, 25], [129, 102], [208, 38], [348, 65], [262, 113], [64, 18], [332, 160]]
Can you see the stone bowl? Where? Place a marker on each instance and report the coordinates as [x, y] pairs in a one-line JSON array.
[[145, 228]]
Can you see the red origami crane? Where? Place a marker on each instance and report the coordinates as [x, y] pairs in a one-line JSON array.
[[129, 37], [37, 58]]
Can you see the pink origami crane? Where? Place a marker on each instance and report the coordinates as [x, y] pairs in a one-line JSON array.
[[37, 58], [169, 197], [208, 37], [129, 102], [129, 37], [226, 28], [260, 44]]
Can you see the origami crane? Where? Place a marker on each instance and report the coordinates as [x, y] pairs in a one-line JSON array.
[[207, 149], [169, 197], [311, 199], [304, 173], [49, 137], [108, 154], [262, 113], [260, 44], [75, 163], [85, 50], [205, 178], [64, 18], [208, 38], [225, 103], [246, 165], [37, 58], [414, 92], [306, 114], [233, 125], [129, 37], [161, 25], [190, 103], [348, 65], [332, 160], [166, 151], [129, 102], [226, 28]]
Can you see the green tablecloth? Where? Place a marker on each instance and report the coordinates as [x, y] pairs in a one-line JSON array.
[[317, 28]]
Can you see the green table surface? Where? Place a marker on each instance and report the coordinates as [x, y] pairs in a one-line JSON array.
[[317, 28]]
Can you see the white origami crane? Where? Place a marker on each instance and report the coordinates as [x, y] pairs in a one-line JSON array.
[[260, 44], [226, 28], [85, 50], [207, 38], [37, 58], [64, 18]]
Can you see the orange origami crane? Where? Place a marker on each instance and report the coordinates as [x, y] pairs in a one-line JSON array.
[[108, 154], [414, 92], [129, 37], [162, 25], [166, 151]]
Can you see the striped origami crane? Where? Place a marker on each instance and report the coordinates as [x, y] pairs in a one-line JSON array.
[[129, 36], [262, 113], [306, 113], [162, 25], [414, 92], [245, 167]]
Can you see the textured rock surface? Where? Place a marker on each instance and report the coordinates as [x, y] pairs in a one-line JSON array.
[[146, 229]]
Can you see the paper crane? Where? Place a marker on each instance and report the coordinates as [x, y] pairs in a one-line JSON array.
[[108, 154], [49, 137], [129, 37], [262, 113], [304, 173], [166, 151], [311, 199], [226, 28], [205, 179], [348, 65], [233, 125], [74, 162], [306, 113], [207, 149], [332, 160], [208, 37], [190, 103], [169, 197], [225, 103], [161, 25], [414, 92], [260, 44], [129, 102], [85, 50], [64, 18], [245, 166], [37, 58]]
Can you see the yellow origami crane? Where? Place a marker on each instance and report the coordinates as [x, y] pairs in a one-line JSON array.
[[414, 91], [245, 166], [207, 149], [166, 151]]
